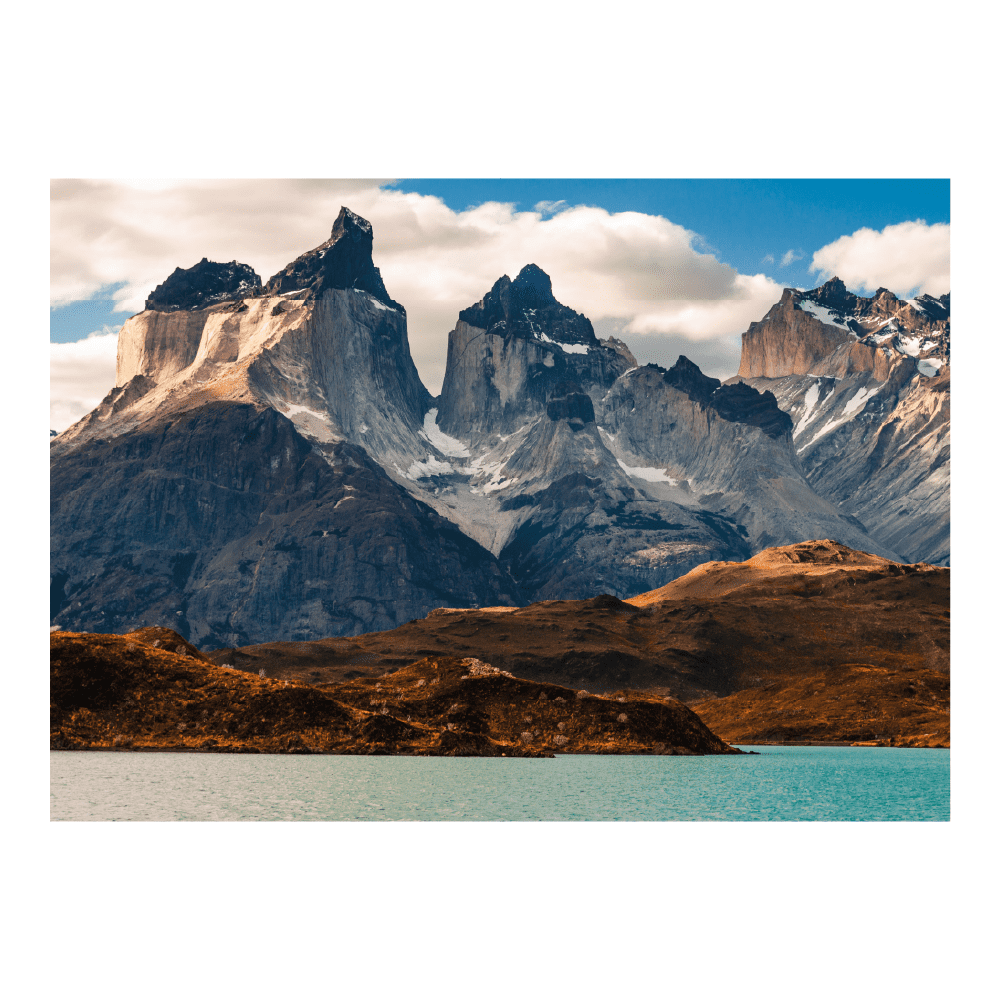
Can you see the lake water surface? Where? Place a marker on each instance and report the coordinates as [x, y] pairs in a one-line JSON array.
[[782, 783]]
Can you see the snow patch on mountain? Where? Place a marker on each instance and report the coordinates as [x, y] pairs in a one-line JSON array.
[[375, 302], [823, 314], [568, 348], [859, 399], [914, 345], [811, 399], [431, 466], [444, 443], [497, 480], [295, 409], [648, 473]]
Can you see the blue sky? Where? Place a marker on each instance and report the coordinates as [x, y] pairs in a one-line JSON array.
[[742, 221]]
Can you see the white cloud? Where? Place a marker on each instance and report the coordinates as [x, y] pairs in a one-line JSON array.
[[903, 258], [651, 273], [789, 257], [81, 375], [701, 319]]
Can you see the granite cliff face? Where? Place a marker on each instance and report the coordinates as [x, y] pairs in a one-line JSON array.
[[230, 483], [580, 470], [867, 383], [512, 350], [231, 525], [729, 450], [269, 465]]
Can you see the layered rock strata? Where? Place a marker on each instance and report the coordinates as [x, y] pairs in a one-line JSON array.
[[867, 383]]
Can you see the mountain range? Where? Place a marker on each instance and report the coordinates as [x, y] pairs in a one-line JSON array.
[[270, 466]]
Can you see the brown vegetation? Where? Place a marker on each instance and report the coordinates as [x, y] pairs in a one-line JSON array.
[[789, 617], [110, 691], [853, 703]]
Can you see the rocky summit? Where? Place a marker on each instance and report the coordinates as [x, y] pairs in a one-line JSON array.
[[867, 383], [269, 465], [343, 261], [203, 285]]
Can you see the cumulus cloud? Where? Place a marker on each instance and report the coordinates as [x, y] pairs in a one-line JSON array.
[[790, 257], [908, 257], [81, 374], [654, 276]]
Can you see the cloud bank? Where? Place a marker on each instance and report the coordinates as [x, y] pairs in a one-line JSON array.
[[644, 272], [80, 376], [654, 283], [908, 257]]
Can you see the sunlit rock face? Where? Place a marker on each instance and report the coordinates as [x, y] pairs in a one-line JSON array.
[[270, 466], [230, 484], [867, 382]]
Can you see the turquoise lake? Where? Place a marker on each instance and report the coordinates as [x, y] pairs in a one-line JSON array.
[[779, 783]]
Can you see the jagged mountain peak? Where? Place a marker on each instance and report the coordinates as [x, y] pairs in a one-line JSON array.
[[866, 382], [830, 331], [532, 283], [204, 284], [351, 224], [832, 292], [689, 378], [526, 308], [343, 261]]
